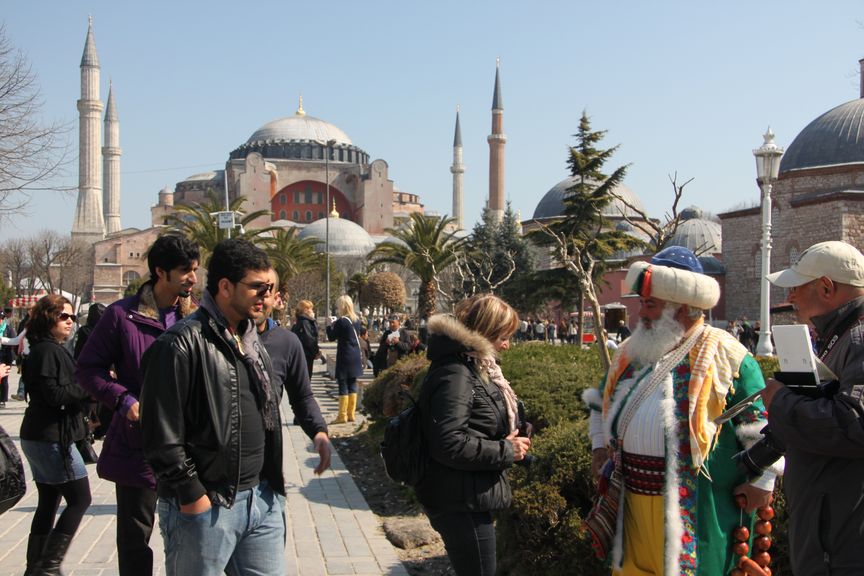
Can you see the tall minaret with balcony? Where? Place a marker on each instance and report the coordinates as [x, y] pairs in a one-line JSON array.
[[458, 169], [89, 224], [497, 140], [111, 161]]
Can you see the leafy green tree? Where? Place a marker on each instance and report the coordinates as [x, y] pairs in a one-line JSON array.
[[291, 255], [385, 289], [583, 239], [198, 223], [426, 246]]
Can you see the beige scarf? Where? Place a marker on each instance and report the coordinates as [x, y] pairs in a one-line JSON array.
[[493, 370]]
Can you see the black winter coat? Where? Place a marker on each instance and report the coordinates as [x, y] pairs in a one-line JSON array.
[[306, 330], [465, 424]]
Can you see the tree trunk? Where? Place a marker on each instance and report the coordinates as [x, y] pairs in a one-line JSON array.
[[426, 299], [598, 326]]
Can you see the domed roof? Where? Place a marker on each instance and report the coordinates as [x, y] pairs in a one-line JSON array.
[[835, 137], [698, 232], [346, 237], [552, 203], [299, 127], [206, 176]]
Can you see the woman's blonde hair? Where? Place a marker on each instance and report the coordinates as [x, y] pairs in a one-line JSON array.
[[489, 315], [303, 307], [345, 307]]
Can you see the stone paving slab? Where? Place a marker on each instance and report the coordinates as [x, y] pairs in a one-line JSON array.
[[331, 530]]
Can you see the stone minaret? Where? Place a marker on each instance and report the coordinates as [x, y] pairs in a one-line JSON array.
[[111, 161], [457, 169], [497, 140], [89, 224]]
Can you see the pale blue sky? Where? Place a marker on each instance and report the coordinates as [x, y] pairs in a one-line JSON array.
[[681, 86]]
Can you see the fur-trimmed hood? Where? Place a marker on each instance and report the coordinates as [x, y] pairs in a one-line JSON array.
[[449, 336], [147, 303]]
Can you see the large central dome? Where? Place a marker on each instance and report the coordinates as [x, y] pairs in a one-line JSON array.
[[836, 137], [299, 128]]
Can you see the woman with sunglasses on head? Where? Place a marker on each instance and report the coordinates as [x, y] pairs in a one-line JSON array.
[[53, 422]]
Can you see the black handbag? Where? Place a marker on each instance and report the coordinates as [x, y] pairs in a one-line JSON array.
[[88, 453], [12, 485]]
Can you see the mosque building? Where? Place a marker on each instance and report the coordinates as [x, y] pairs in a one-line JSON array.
[[818, 196], [288, 167]]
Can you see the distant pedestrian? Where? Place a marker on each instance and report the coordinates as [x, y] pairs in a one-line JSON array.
[[349, 365], [623, 331], [306, 330]]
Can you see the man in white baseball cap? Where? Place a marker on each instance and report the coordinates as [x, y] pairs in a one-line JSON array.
[[824, 437]]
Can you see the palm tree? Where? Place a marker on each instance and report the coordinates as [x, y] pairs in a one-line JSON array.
[[198, 224], [291, 255], [426, 248]]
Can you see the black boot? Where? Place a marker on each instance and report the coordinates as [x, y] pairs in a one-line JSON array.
[[56, 546], [35, 546]]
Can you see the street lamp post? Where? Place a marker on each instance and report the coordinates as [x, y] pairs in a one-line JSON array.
[[767, 169], [328, 147]]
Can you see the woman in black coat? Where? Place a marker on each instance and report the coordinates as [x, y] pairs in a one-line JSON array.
[[349, 364], [307, 331], [53, 423], [470, 420]]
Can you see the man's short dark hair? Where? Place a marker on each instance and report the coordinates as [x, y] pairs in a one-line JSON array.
[[232, 259], [169, 252]]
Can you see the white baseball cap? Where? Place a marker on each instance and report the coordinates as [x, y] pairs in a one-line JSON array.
[[839, 261]]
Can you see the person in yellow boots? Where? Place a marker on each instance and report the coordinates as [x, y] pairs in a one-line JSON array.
[[349, 363]]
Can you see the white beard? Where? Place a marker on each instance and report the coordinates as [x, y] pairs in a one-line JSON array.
[[648, 345]]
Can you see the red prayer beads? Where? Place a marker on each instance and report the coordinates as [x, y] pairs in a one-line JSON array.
[[757, 565]]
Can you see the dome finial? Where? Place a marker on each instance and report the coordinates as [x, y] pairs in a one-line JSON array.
[[300, 111], [333, 212]]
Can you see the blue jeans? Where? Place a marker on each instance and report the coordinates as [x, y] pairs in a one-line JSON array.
[[347, 386], [246, 539]]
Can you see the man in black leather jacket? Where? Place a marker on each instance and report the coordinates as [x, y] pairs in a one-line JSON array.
[[211, 427]]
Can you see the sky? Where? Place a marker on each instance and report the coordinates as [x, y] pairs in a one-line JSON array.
[[682, 87]]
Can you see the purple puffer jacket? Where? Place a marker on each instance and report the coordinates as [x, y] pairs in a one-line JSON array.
[[127, 328]]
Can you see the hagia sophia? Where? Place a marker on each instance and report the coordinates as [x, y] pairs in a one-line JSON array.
[[289, 165]]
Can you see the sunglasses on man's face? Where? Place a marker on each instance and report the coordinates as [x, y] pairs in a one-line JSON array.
[[64, 316], [260, 288]]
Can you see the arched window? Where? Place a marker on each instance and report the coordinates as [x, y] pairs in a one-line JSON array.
[[295, 216], [308, 215], [282, 199], [307, 196], [283, 215], [130, 276], [320, 197], [320, 214], [296, 197], [794, 255]]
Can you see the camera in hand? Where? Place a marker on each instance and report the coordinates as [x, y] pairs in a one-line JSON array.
[[754, 461]]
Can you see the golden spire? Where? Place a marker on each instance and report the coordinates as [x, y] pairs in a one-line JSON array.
[[300, 111], [333, 212]]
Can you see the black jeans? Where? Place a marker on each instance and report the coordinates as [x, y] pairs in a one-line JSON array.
[[136, 511], [470, 540]]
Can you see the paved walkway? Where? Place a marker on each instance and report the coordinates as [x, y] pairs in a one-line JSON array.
[[330, 527]]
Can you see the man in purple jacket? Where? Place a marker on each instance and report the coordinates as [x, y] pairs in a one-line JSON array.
[[109, 367]]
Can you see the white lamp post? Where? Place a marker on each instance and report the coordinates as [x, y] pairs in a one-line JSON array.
[[767, 169], [328, 147]]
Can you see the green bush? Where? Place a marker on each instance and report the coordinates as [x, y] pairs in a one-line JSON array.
[[382, 398], [550, 380]]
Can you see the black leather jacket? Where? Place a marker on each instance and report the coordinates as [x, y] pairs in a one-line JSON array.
[[465, 423], [190, 414]]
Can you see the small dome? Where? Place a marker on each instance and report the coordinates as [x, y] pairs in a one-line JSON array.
[[699, 235], [346, 237], [691, 212], [835, 137], [299, 127], [552, 203]]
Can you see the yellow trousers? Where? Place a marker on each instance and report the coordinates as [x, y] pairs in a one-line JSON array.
[[644, 536]]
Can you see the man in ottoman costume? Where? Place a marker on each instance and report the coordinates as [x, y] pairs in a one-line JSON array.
[[652, 417]]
